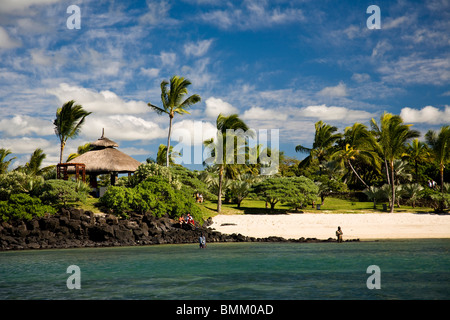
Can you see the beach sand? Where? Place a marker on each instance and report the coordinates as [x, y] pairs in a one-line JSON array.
[[363, 226]]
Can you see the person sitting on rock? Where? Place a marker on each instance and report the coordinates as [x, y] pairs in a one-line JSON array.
[[190, 220]]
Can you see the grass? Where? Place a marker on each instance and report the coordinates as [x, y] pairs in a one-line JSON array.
[[331, 205], [250, 206]]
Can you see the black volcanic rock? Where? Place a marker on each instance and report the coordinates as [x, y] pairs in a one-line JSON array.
[[74, 228]]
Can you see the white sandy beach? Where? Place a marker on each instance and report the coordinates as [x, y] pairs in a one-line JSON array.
[[323, 226]]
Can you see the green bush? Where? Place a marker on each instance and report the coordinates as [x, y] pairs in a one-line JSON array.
[[23, 206], [15, 182], [153, 195], [62, 192], [118, 199]]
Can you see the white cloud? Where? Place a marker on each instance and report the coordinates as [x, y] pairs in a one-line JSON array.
[[337, 91], [252, 14], [361, 77], [25, 125], [150, 72], [325, 113], [214, 106], [157, 14], [190, 132], [381, 48], [197, 49], [14, 6], [121, 127], [258, 113], [168, 58], [104, 102], [413, 69], [25, 144], [428, 114], [6, 42]]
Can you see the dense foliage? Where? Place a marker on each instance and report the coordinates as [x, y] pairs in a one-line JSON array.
[[154, 195], [293, 191], [23, 206]]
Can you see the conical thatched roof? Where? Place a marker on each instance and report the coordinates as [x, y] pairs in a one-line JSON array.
[[103, 142], [104, 158]]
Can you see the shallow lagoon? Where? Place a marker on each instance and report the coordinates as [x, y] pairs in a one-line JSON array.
[[409, 269]]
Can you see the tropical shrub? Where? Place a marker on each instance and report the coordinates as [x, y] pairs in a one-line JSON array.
[[118, 199], [15, 182], [23, 206], [153, 195], [62, 192]]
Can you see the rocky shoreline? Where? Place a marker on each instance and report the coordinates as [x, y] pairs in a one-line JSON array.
[[76, 228]]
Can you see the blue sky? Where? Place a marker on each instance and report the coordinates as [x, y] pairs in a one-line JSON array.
[[278, 64]]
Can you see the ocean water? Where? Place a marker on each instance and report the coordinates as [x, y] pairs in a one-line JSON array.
[[409, 269]]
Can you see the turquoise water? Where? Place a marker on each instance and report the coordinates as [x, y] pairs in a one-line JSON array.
[[412, 269]]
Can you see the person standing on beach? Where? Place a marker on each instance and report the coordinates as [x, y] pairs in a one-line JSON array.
[[339, 234]]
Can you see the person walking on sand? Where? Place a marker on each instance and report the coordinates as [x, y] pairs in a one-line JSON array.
[[339, 234]]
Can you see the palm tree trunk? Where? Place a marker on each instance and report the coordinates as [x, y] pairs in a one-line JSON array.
[[392, 185], [168, 140], [354, 171], [387, 171], [61, 151], [219, 196]]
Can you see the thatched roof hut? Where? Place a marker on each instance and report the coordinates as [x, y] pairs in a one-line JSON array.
[[103, 158]]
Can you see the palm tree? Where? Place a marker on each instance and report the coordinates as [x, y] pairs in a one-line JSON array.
[[34, 165], [392, 135], [324, 139], [68, 122], [219, 149], [417, 152], [359, 144], [3, 163], [172, 101], [440, 147], [162, 155], [80, 150]]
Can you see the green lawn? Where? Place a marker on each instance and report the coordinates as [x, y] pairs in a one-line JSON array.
[[331, 205]]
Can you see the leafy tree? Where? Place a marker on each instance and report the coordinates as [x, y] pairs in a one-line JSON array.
[[417, 152], [226, 164], [172, 101], [375, 194], [3, 163], [324, 140], [162, 155], [358, 143], [440, 148], [305, 192], [296, 191], [69, 119], [392, 135], [241, 188], [33, 166], [412, 192], [80, 150]]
